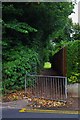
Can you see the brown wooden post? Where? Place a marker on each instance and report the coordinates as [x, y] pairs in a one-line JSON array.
[[59, 62], [64, 62]]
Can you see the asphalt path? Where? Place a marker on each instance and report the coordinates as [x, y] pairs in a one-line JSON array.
[[14, 113]]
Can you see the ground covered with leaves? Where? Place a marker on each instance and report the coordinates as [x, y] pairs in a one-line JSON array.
[[70, 103], [44, 103]]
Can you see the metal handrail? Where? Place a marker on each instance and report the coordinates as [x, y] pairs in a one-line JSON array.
[[46, 76]]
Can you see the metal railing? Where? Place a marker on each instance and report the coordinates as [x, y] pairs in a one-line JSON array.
[[47, 87]]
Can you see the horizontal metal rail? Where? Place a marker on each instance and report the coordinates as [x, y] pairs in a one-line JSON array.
[[47, 76]]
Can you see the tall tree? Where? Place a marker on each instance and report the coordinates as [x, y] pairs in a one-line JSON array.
[[47, 18]]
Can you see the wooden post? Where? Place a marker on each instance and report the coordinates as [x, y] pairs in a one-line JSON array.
[[59, 62], [64, 62]]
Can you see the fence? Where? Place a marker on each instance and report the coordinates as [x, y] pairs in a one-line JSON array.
[[47, 87]]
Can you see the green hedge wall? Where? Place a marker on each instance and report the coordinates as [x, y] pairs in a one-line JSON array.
[[19, 61], [73, 61]]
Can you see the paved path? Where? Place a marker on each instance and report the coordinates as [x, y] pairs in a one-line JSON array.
[[18, 104]]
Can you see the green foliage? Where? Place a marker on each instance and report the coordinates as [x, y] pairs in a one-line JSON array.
[[50, 19], [27, 31], [10, 9], [73, 61], [76, 31], [31, 81], [74, 78], [19, 26], [19, 61]]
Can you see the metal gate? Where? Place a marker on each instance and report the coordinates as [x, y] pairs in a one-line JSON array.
[[47, 87]]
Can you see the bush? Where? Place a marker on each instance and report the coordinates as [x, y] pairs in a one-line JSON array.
[[73, 61], [19, 60]]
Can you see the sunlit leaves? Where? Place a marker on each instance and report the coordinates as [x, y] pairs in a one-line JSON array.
[[20, 27]]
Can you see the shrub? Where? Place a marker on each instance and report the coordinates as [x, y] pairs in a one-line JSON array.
[[73, 61], [19, 60]]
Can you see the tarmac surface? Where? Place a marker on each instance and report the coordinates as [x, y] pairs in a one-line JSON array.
[[14, 113]]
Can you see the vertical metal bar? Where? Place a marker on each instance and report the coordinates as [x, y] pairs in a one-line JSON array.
[[34, 86], [37, 86], [63, 92], [51, 87], [66, 87], [55, 86], [25, 84], [61, 86], [46, 87], [58, 88], [42, 88]]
